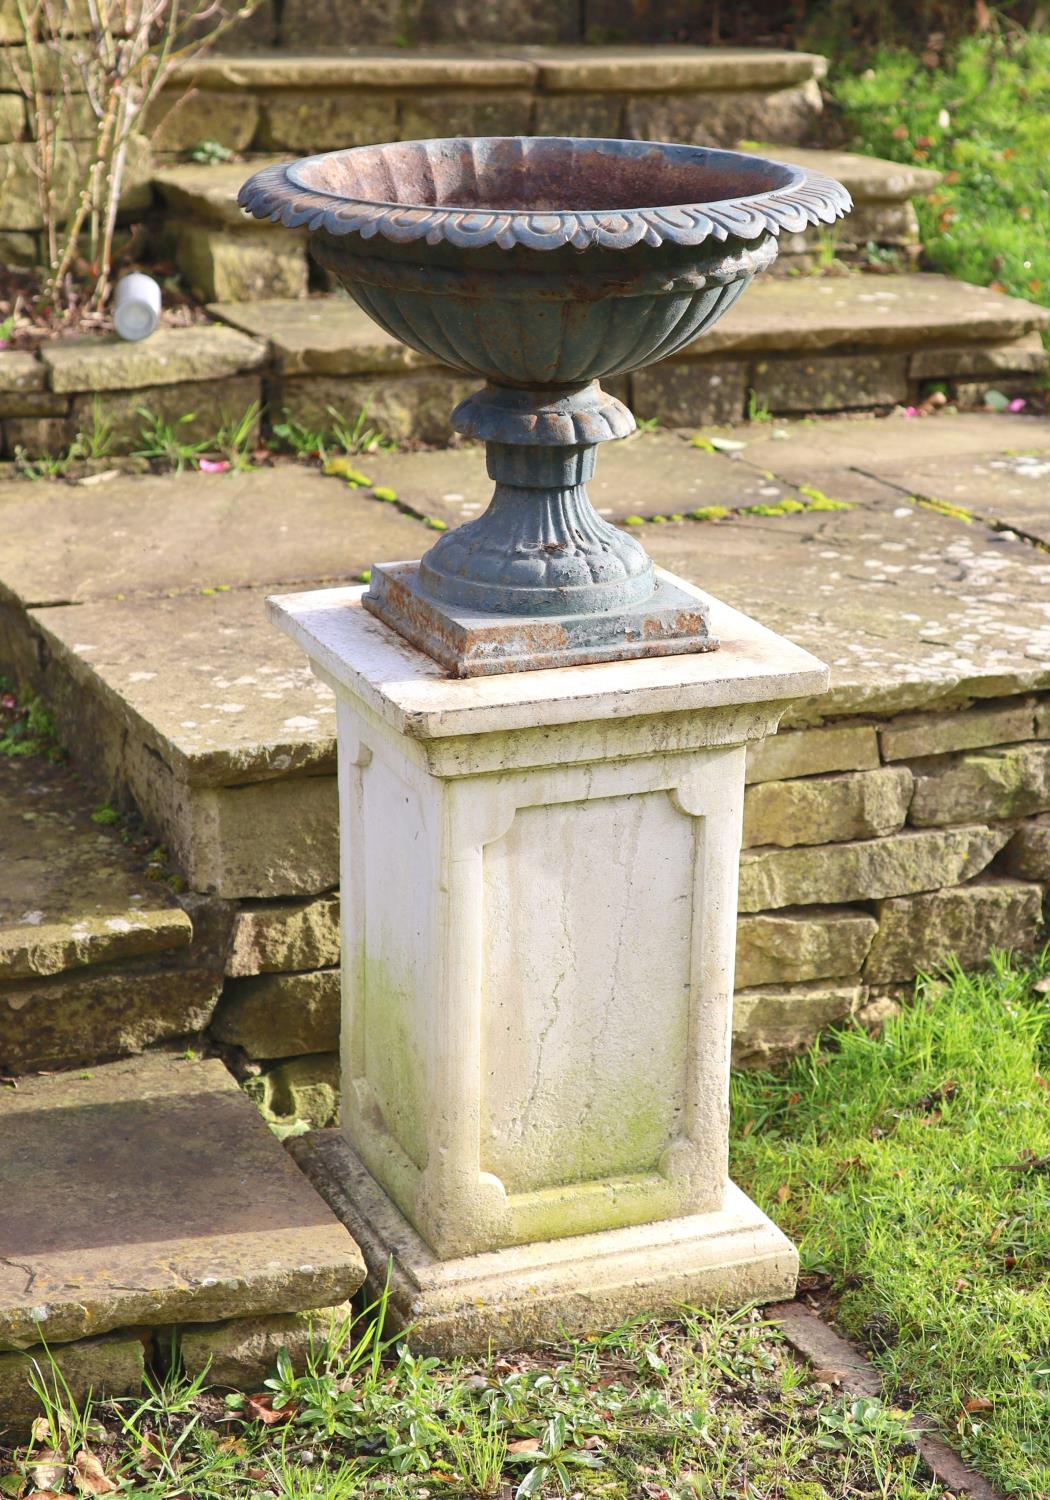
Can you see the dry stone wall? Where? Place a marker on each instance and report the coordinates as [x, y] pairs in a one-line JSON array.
[[874, 850]]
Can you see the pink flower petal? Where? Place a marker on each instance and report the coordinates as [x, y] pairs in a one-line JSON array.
[[1017, 404], [214, 465], [911, 411]]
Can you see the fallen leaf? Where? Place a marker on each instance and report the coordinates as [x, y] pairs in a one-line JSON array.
[[783, 1194], [213, 465], [726, 445], [89, 1475], [48, 1470], [261, 1408], [231, 1445], [978, 1403], [40, 1430], [524, 1445], [103, 477]]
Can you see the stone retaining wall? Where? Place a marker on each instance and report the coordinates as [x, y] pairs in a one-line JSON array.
[[874, 849]]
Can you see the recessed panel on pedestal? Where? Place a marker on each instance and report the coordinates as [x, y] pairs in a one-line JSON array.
[[586, 989]]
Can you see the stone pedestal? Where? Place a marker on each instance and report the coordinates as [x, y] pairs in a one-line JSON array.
[[539, 876]]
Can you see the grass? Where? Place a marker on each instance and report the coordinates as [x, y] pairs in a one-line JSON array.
[[710, 1406], [980, 117], [913, 1171]]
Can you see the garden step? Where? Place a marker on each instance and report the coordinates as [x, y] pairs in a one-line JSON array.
[[97, 957], [811, 343], [187, 696], [315, 101], [146, 1194], [222, 254], [71, 893]]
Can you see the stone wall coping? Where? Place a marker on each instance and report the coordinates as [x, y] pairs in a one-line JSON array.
[[168, 357], [547, 69], [412, 693]]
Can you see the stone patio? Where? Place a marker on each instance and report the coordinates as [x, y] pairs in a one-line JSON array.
[[169, 683]]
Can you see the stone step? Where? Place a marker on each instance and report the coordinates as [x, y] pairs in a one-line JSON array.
[[311, 101], [172, 685], [228, 257], [817, 343], [147, 1198], [97, 955]]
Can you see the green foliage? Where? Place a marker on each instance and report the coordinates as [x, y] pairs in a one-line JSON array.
[[211, 153], [29, 731], [912, 1170], [979, 116], [235, 438], [164, 443], [105, 816]]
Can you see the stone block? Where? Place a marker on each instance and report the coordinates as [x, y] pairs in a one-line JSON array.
[[20, 204], [266, 839], [772, 1024], [19, 248], [827, 809], [902, 864], [835, 383], [919, 932], [285, 936], [208, 403], [179, 121], [104, 1367], [677, 68], [149, 1192], [909, 736], [307, 24], [599, 115], [280, 1015], [1027, 855], [302, 1088], [1042, 719], [425, 115], [38, 437], [171, 356], [33, 404], [321, 336], [107, 1010], [1008, 783], [243, 1352], [691, 393], [810, 752], [21, 372], [309, 122], [1015, 356], [12, 118], [788, 115], [413, 408], [241, 265], [511, 21], [808, 942]]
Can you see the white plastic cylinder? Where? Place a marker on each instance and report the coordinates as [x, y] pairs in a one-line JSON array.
[[136, 306]]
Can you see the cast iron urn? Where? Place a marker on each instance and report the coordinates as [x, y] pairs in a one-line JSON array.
[[541, 265]]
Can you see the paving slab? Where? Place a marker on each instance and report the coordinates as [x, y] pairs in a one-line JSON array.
[[806, 313], [151, 1192], [872, 447], [205, 682], [867, 178], [209, 193], [151, 534], [908, 607], [1007, 489], [168, 357], [645, 475], [319, 335], [71, 893]]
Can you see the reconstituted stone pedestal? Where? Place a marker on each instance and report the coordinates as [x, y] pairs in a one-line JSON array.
[[539, 878]]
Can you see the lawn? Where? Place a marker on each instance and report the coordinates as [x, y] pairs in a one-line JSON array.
[[979, 114], [913, 1171]]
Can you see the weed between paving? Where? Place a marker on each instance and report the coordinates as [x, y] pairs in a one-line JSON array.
[[707, 1406]]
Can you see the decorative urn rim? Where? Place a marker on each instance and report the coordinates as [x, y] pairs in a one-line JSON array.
[[304, 193]]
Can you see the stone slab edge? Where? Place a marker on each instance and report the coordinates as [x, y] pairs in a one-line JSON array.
[[831, 1354]]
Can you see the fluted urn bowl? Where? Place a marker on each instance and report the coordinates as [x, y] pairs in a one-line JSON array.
[[542, 265]]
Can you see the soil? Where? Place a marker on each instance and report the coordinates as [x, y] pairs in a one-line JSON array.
[[37, 319]]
